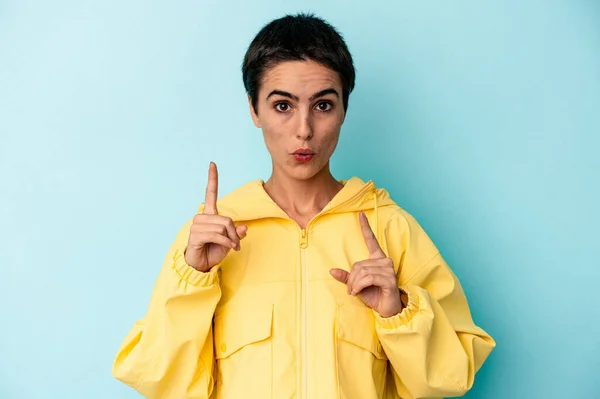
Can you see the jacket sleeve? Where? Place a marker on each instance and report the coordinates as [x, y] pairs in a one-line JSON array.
[[433, 346], [169, 352]]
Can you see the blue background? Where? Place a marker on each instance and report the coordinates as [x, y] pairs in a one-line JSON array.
[[482, 120]]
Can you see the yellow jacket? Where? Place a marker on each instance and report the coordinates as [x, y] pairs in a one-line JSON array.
[[271, 322]]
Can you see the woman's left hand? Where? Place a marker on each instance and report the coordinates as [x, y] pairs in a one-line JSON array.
[[373, 280]]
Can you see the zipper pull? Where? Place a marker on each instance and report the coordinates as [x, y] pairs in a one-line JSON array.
[[304, 239]]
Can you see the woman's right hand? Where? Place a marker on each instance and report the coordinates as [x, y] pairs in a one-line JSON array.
[[212, 236]]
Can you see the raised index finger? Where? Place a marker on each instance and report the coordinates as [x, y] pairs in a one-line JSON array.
[[375, 250], [212, 189]]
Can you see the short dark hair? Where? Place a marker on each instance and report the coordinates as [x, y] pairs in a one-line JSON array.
[[297, 37]]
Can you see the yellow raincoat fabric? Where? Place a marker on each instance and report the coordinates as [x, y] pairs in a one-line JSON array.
[[271, 322]]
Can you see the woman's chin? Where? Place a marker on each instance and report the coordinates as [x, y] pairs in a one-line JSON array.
[[304, 172]]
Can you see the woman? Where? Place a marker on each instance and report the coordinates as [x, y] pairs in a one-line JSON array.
[[302, 286]]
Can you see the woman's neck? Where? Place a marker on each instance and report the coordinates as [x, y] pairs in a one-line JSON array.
[[301, 200]]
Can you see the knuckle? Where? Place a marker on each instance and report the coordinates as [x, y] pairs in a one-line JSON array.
[[212, 236]]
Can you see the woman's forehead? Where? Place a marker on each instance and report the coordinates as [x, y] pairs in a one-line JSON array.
[[302, 78]]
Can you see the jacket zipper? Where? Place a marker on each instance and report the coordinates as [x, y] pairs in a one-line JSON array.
[[303, 246]]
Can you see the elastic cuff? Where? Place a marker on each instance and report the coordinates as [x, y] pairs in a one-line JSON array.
[[403, 318], [191, 275]]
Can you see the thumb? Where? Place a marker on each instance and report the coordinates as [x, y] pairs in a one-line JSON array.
[[340, 275], [241, 230]]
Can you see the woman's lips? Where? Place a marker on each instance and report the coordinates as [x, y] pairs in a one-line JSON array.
[[303, 157], [303, 154]]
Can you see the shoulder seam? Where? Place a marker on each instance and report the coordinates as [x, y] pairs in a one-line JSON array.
[[425, 264], [420, 269]]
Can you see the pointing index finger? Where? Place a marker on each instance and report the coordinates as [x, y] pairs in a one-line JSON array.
[[375, 250], [212, 189]]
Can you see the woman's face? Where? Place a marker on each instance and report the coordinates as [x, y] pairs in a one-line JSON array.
[[300, 111]]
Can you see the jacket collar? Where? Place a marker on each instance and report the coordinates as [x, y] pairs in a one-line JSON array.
[[251, 202]]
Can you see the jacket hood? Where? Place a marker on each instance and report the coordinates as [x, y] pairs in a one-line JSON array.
[[251, 201]]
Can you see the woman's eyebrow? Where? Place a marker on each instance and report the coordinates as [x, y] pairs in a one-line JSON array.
[[322, 93], [282, 93], [295, 98]]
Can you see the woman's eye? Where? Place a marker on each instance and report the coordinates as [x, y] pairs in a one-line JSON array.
[[282, 107], [324, 106]]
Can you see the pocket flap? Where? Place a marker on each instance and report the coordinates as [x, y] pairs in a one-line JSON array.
[[356, 325], [241, 324]]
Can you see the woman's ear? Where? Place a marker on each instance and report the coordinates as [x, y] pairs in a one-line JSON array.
[[253, 113]]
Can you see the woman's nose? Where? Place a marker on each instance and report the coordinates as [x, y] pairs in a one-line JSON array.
[[305, 130]]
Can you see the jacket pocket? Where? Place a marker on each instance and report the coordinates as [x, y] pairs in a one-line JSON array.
[[359, 353], [244, 349]]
